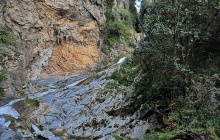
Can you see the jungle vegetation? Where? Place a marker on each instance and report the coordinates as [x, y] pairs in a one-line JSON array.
[[175, 71]]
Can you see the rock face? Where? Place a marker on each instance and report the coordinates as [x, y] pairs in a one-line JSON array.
[[121, 4], [56, 37], [75, 54], [82, 107], [7, 134], [45, 28]]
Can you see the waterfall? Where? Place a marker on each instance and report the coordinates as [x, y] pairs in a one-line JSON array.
[[121, 60], [138, 5], [138, 42]]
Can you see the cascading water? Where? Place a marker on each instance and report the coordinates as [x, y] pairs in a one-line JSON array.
[[138, 42], [121, 60], [138, 4]]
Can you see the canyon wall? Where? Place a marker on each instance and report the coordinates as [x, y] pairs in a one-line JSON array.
[[53, 37]]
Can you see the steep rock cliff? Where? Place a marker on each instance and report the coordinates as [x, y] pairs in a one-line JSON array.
[[56, 38], [52, 37]]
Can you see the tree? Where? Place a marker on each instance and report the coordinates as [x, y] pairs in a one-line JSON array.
[[175, 34], [179, 37]]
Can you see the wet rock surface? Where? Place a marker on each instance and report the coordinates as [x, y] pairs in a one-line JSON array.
[[77, 109]]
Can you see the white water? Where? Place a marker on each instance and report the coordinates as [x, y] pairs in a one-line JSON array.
[[8, 110], [138, 42], [138, 5], [121, 60]]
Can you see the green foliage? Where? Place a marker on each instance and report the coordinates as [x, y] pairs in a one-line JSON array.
[[1, 76], [125, 75], [180, 38], [133, 12], [1, 79], [99, 75], [179, 43], [2, 92], [212, 66], [32, 102], [173, 47], [118, 24], [187, 119], [124, 15], [6, 38], [117, 137], [109, 14], [111, 85], [116, 31]]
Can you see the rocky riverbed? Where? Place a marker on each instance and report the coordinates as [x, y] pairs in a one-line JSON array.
[[80, 106]]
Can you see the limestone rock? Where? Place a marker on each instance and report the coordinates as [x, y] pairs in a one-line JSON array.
[[52, 37], [45, 133], [83, 109], [7, 134]]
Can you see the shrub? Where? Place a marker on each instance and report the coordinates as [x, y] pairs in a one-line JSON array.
[[116, 31], [118, 25], [1, 79], [32, 102], [6, 38], [117, 137], [186, 120], [127, 73]]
